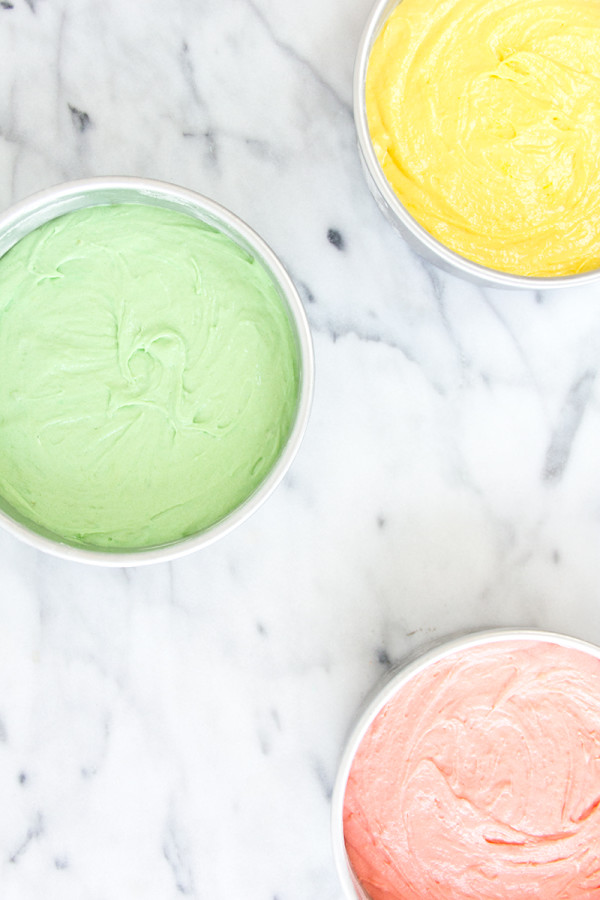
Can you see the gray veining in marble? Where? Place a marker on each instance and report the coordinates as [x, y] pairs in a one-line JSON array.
[[175, 731]]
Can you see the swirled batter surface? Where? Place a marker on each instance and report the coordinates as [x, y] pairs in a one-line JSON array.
[[149, 376], [480, 779], [485, 117]]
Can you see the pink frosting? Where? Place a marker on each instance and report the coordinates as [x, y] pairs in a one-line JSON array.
[[481, 779]]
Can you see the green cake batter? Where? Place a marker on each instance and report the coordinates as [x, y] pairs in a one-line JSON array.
[[149, 376]]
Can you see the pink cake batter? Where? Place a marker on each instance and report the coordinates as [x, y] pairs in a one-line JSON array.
[[480, 779]]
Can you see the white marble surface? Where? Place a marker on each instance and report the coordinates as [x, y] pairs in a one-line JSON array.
[[175, 730]]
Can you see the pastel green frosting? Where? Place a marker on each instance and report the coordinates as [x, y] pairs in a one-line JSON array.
[[149, 376]]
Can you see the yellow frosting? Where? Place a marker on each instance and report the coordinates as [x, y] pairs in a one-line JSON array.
[[485, 117]]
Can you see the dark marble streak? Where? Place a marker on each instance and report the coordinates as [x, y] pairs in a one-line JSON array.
[[80, 119], [35, 831], [293, 54], [180, 869], [568, 424], [335, 238]]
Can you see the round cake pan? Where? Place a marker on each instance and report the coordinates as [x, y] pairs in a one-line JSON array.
[[34, 211], [385, 691], [418, 237]]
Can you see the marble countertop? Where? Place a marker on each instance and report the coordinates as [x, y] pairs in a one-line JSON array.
[[175, 729]]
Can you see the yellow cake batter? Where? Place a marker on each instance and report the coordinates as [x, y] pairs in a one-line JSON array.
[[485, 117]]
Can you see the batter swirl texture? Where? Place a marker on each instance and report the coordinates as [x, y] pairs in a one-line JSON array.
[[480, 780], [149, 376], [485, 117]]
